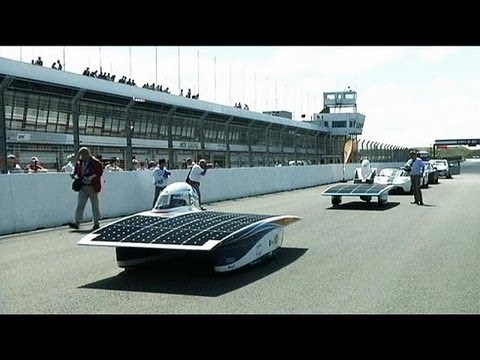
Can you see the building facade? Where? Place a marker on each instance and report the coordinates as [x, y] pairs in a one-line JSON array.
[[49, 114]]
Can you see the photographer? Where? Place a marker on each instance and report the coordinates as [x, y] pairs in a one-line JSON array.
[[89, 169], [198, 170]]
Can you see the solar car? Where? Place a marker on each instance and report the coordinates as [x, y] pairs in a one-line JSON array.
[[399, 178], [177, 226], [432, 173], [442, 166]]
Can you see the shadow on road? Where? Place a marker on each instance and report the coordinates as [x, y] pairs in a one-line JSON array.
[[195, 277], [362, 205]]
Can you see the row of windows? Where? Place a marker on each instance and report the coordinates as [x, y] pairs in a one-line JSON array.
[[32, 112]]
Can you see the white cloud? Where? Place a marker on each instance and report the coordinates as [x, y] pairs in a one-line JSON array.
[[435, 54]]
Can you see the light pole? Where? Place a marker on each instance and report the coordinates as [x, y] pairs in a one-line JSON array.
[[215, 78], [179, 70]]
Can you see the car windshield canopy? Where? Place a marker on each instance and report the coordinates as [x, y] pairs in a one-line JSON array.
[[439, 162], [388, 172]]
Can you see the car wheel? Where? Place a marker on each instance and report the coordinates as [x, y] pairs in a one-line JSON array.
[[336, 200]]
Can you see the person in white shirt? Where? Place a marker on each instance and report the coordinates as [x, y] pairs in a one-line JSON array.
[[195, 177], [69, 167], [12, 165], [113, 165], [160, 178]]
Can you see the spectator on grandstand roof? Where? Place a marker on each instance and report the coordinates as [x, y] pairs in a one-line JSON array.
[[59, 67], [54, 65], [181, 92]]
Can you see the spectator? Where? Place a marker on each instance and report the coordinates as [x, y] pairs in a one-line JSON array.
[[34, 166], [194, 177], [113, 165], [59, 67], [69, 167], [160, 178], [12, 165], [89, 170], [86, 71], [39, 61], [54, 65], [189, 93], [151, 165], [416, 168], [181, 92], [135, 164], [188, 163]]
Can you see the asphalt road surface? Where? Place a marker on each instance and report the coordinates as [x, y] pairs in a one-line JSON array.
[[357, 258]]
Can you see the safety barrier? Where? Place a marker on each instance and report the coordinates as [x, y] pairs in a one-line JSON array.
[[34, 201]]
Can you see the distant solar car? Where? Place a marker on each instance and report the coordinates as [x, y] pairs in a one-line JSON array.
[[177, 226], [400, 179], [364, 191]]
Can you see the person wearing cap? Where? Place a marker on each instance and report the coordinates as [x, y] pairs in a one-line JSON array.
[[89, 169], [136, 165], [416, 167], [12, 165], [69, 167], [34, 166], [194, 177]]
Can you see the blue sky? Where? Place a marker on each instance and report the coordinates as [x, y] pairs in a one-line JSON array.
[[411, 95]]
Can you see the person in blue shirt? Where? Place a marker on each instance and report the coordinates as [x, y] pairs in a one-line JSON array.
[[416, 168], [160, 178]]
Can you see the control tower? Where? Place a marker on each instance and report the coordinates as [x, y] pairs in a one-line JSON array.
[[340, 114]]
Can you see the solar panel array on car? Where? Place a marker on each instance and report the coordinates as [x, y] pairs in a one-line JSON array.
[[189, 229], [355, 189]]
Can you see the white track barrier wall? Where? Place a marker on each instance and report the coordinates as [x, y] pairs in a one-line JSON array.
[[36, 201]]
